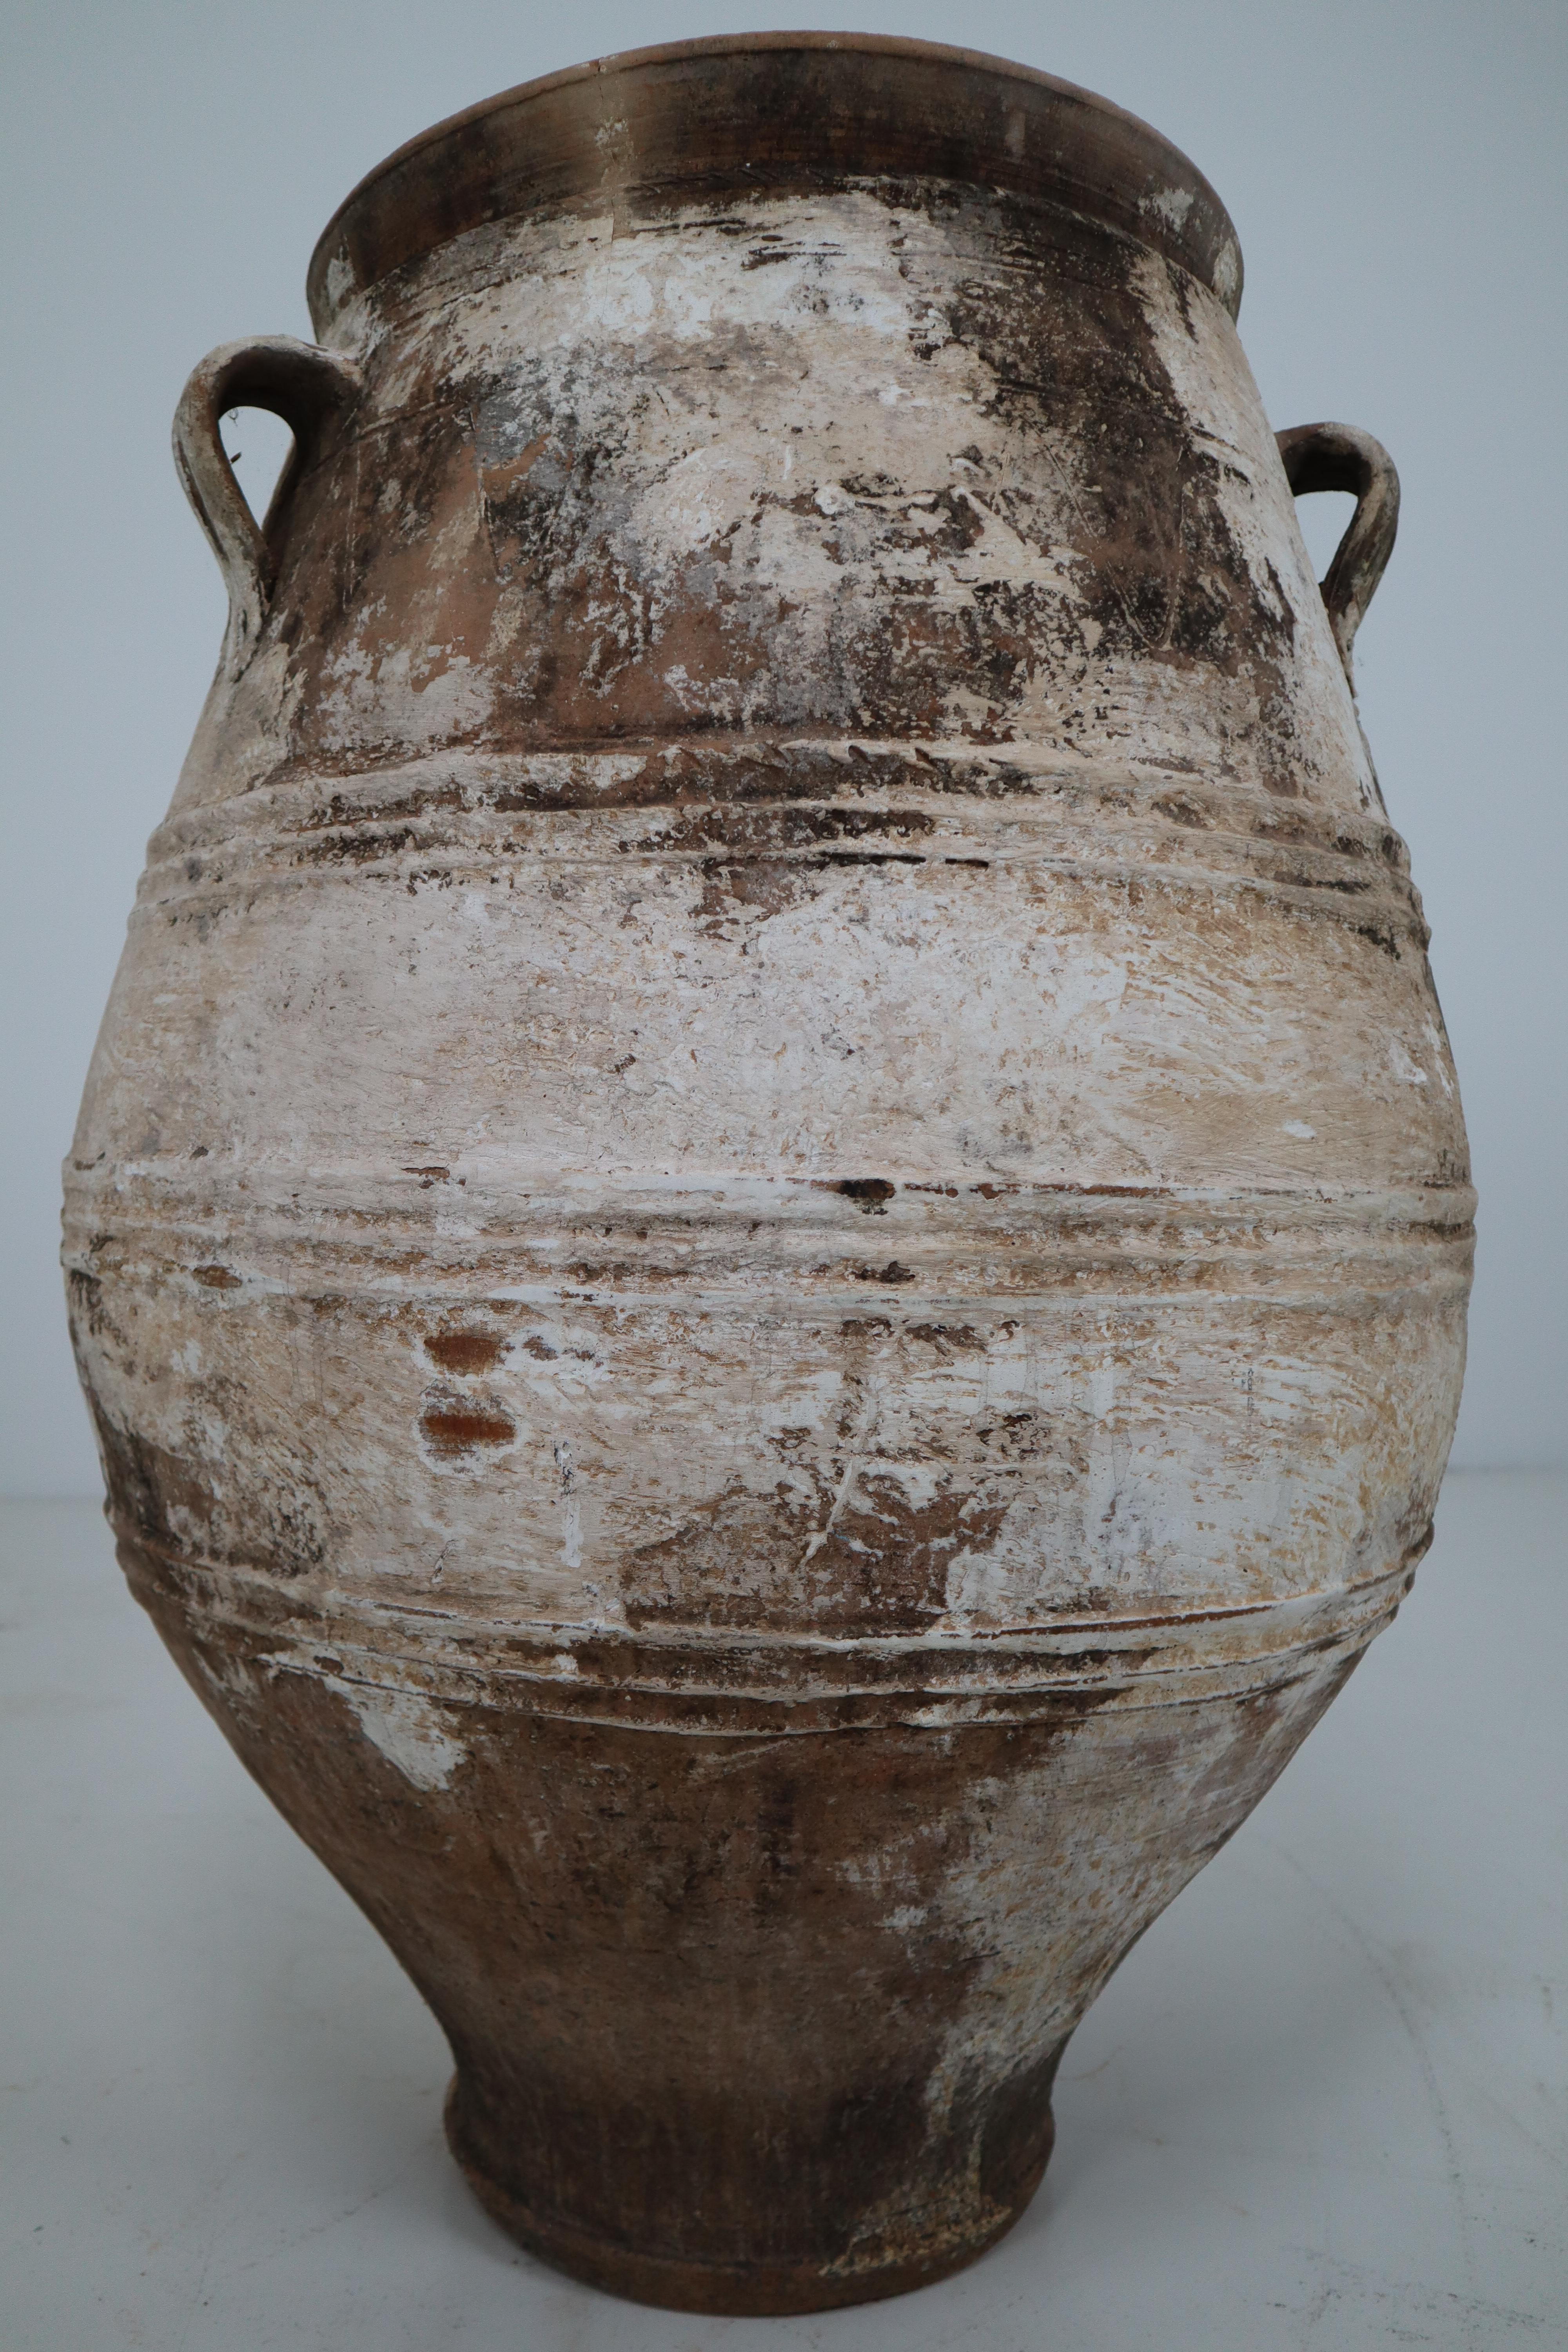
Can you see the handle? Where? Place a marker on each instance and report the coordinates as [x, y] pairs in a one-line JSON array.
[[308, 388], [1339, 458]]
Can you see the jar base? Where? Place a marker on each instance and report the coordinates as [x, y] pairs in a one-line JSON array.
[[743, 2290]]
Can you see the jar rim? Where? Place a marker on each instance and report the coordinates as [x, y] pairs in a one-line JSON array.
[[687, 121]]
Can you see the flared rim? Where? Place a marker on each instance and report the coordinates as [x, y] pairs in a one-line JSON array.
[[768, 112]]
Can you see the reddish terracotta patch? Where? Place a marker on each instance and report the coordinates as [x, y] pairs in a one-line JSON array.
[[453, 1430]]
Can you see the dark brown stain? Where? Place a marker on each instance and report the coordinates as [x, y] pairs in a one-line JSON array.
[[217, 1277], [892, 1271], [1180, 809], [367, 842], [91, 1315], [778, 828], [960, 1337], [869, 1193]]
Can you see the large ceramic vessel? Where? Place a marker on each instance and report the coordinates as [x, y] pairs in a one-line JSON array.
[[771, 1231]]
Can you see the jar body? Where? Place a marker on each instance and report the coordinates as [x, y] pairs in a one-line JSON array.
[[771, 1232]]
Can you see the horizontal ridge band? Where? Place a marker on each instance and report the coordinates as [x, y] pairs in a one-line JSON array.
[[460, 1658]]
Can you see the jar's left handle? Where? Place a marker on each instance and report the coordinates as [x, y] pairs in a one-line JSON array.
[[308, 389]]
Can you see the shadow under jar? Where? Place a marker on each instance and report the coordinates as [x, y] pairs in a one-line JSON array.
[[770, 1235]]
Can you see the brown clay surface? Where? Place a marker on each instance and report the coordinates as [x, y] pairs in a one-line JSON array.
[[771, 1232]]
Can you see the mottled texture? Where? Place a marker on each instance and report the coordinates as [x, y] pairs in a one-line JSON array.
[[771, 1231]]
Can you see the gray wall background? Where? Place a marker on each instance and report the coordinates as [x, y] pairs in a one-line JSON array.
[[1396, 169]]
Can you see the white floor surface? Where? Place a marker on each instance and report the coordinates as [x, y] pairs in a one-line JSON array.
[[1324, 2103]]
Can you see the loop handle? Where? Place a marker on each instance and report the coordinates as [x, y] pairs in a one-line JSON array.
[[1339, 458], [308, 388]]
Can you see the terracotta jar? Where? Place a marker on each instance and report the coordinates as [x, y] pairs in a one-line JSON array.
[[771, 1231]]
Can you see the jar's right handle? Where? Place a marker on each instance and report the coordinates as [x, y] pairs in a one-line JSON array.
[[308, 388], [1339, 458]]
